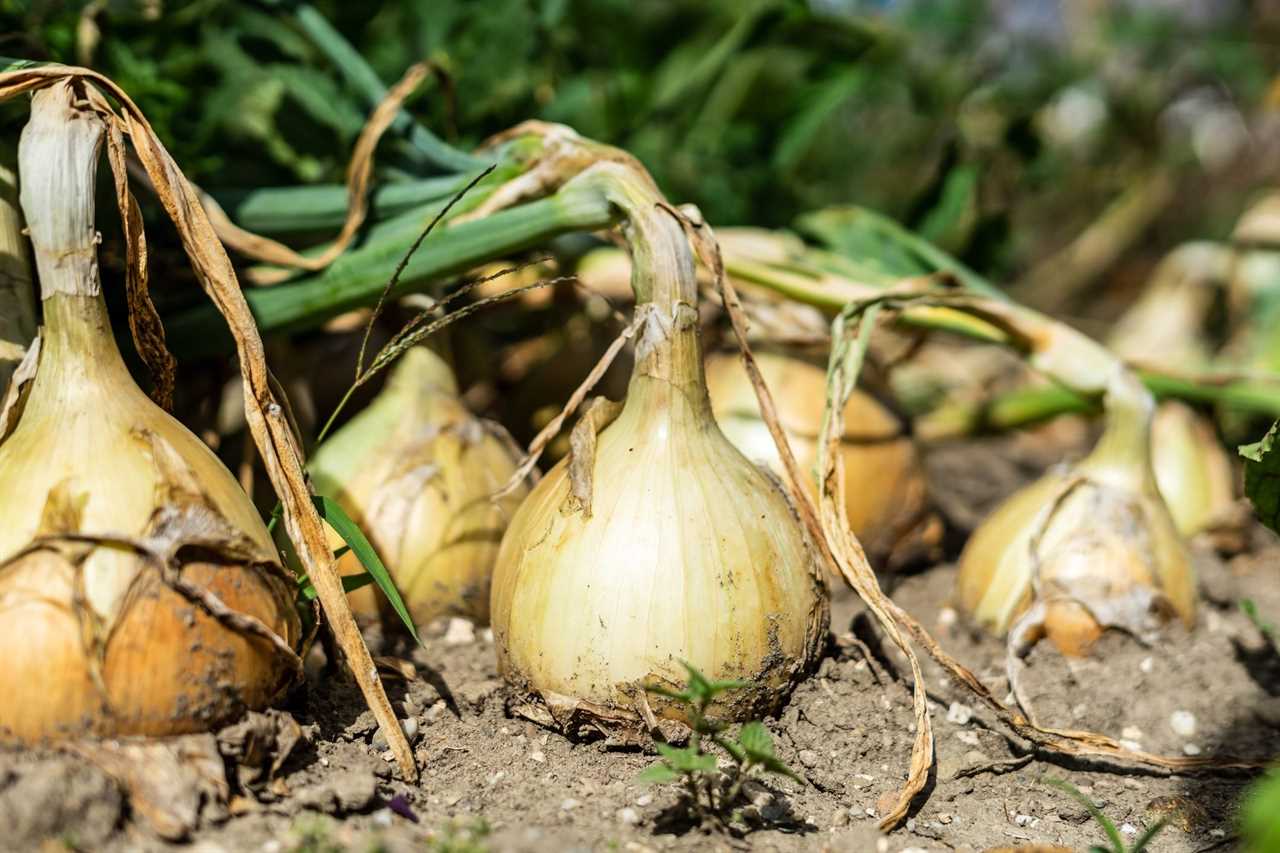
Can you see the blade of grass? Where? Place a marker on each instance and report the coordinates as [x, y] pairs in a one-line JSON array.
[[1113, 834], [337, 518]]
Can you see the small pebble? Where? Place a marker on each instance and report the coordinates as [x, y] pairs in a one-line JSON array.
[[944, 818], [968, 737], [1025, 820], [1128, 829], [537, 756], [460, 632], [840, 818], [629, 816], [410, 727], [487, 635], [911, 824], [959, 714], [882, 844], [382, 818], [1147, 665], [947, 617], [1190, 749], [1183, 723], [568, 805], [1131, 733], [808, 757], [1130, 744], [644, 800]]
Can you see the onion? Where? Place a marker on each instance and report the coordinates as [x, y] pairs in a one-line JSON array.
[[1192, 470], [1084, 548], [139, 591], [886, 504], [663, 545], [415, 470]]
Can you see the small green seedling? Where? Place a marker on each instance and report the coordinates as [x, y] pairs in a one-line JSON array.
[[1114, 838], [710, 795], [1260, 815]]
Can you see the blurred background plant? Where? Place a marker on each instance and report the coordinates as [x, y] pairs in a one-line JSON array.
[[1000, 130]]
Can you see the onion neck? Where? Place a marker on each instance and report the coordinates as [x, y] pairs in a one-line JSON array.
[[668, 352], [1122, 455], [58, 164]]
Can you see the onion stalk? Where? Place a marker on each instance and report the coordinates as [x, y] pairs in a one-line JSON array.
[[656, 541], [140, 590]]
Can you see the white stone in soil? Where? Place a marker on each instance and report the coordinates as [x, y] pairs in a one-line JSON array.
[[629, 816], [959, 714], [460, 632], [1183, 723], [1131, 733], [1190, 749]]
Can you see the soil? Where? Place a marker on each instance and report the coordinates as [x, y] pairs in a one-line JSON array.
[[494, 782]]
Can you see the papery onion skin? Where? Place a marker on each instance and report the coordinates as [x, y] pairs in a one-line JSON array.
[[886, 501], [1097, 533], [415, 470], [167, 666], [94, 637], [689, 551], [1192, 470]]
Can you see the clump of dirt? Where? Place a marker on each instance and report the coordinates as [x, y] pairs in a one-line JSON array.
[[491, 781]]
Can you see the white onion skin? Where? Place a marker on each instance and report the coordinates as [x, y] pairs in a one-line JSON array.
[[691, 553]]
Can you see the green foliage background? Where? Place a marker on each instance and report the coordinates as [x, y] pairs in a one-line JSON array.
[[933, 112]]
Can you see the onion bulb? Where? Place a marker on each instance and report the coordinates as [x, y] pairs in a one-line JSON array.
[[1192, 470], [139, 590], [1085, 548], [415, 470], [656, 541], [886, 503]]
